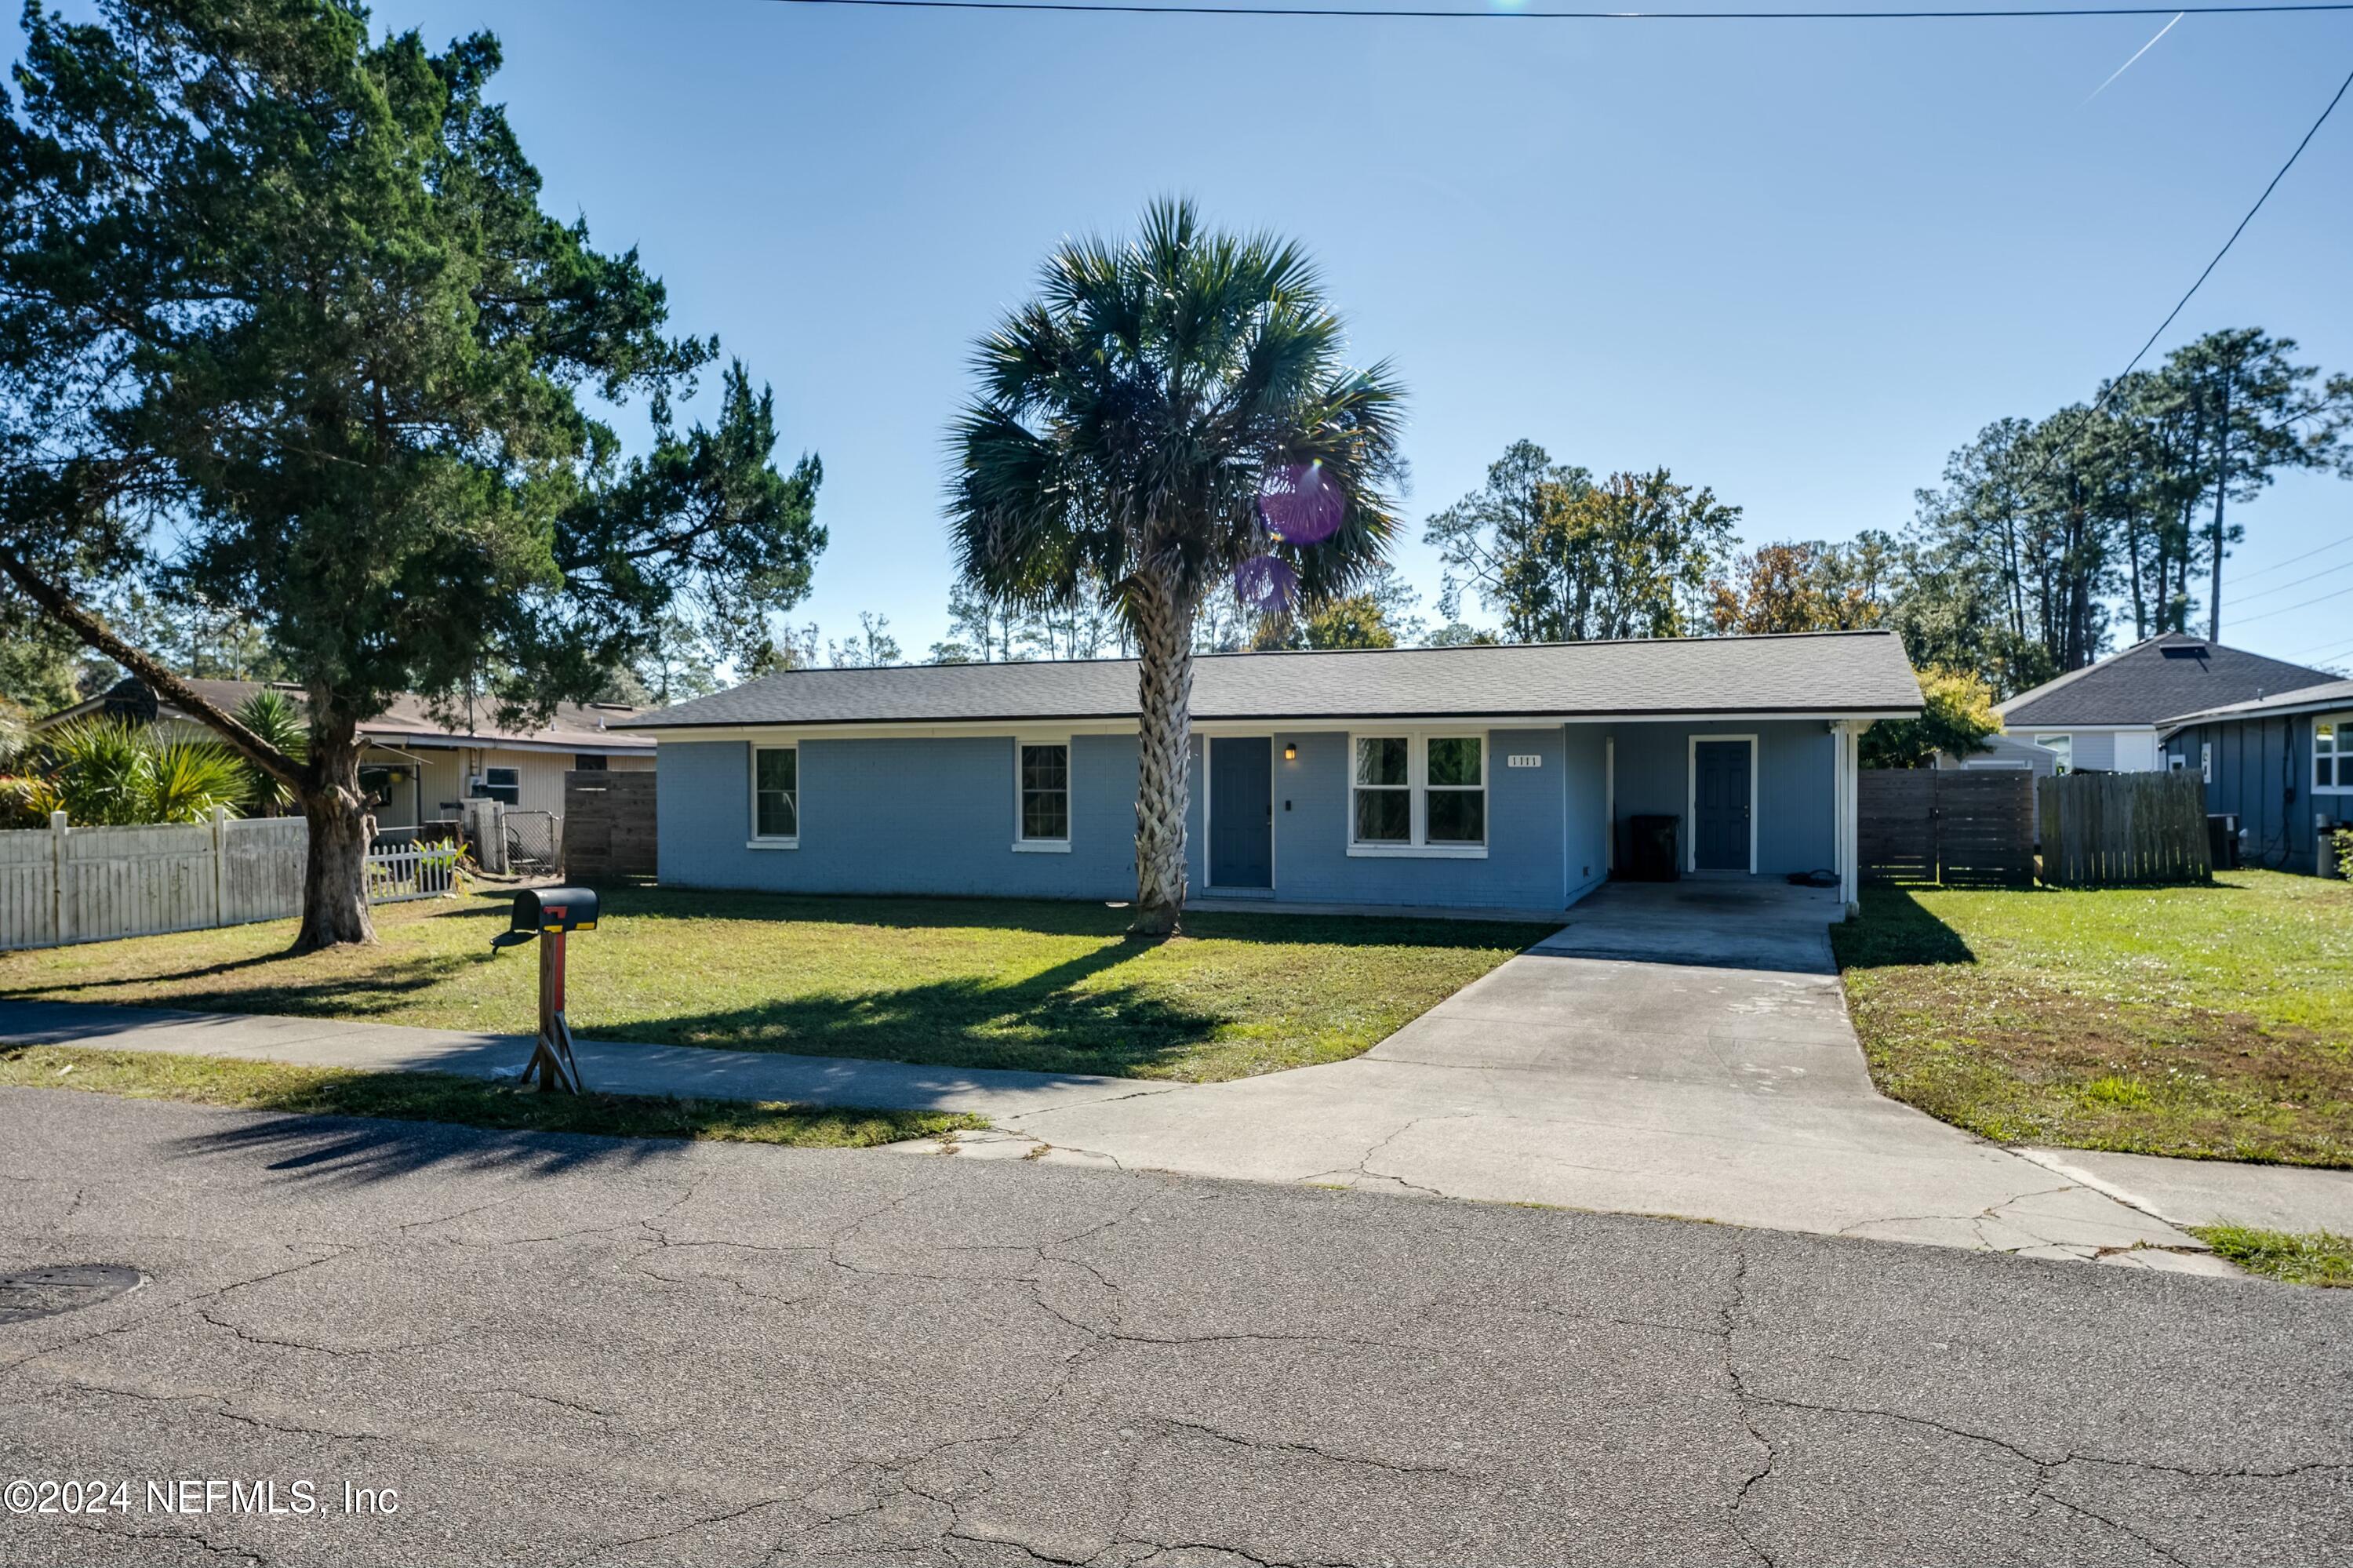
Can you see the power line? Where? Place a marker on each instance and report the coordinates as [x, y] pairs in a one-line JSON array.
[[2277, 565], [1140, 9], [2277, 178], [2285, 587], [2305, 604]]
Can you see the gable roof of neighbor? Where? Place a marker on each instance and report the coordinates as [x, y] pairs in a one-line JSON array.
[[2320, 698], [1819, 673], [409, 719], [2152, 681]]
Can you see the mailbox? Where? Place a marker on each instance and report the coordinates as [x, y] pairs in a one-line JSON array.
[[544, 911], [548, 914]]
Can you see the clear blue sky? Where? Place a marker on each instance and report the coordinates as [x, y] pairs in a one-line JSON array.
[[1795, 261]]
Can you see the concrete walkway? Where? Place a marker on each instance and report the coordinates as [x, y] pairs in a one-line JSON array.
[[616, 1067]]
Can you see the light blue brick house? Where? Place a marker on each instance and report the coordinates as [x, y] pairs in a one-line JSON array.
[[1491, 778]]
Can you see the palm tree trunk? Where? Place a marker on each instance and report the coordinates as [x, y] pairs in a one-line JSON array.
[[334, 867], [1164, 750]]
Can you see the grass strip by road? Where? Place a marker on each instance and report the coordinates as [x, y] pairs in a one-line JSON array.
[[2204, 1021], [441, 1096], [2310, 1258], [974, 982]]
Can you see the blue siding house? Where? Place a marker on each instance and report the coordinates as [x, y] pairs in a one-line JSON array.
[[1490, 777], [2281, 764]]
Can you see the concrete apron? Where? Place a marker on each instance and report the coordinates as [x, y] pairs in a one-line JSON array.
[[1732, 1091]]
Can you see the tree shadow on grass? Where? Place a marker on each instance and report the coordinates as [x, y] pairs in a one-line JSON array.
[[1896, 931], [348, 996]]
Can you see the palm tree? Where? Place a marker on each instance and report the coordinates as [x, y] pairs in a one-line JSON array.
[[1169, 416]]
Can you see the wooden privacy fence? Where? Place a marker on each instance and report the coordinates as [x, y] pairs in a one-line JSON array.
[[1963, 829], [608, 826], [2124, 827], [61, 884]]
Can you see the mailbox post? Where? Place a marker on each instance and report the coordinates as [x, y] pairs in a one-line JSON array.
[[548, 915]]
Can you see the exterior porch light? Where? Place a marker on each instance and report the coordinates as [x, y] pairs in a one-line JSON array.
[[1290, 751]]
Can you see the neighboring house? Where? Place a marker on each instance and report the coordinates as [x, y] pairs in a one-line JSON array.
[[1469, 777], [2282, 766], [2105, 718], [2005, 751], [417, 768]]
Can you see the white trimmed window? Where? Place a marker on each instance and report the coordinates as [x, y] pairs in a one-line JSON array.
[[2064, 745], [501, 784], [775, 796], [1418, 794], [2332, 754], [1041, 795]]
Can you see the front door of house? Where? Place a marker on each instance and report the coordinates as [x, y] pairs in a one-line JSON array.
[[1242, 811], [1720, 805]]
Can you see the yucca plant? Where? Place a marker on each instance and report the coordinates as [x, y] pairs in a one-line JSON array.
[[275, 717], [110, 773]]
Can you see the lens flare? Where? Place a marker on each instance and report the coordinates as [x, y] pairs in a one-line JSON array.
[[1266, 584], [1300, 503]]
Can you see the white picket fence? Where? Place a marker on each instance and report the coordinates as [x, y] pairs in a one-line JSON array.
[[66, 884]]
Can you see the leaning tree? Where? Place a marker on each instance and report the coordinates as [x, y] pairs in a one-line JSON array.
[[1167, 416], [284, 330]]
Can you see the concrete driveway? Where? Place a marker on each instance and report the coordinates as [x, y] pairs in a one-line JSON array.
[[1679, 1049]]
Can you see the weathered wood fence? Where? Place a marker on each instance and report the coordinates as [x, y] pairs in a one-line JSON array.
[[1963, 829], [2100, 827], [608, 826], [62, 885]]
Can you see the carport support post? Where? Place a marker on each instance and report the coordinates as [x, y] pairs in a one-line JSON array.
[[1847, 737]]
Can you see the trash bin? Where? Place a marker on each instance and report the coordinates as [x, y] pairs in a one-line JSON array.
[[2223, 840], [1652, 856]]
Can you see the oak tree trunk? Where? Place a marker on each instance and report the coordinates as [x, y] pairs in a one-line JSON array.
[[334, 868], [1163, 751]]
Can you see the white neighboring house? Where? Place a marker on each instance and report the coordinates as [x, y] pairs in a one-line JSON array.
[[2106, 717], [419, 767]]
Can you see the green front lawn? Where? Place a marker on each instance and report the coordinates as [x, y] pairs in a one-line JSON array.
[[2208, 1021], [973, 983]]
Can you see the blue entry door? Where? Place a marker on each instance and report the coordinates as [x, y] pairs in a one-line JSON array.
[[1720, 806], [1242, 811]]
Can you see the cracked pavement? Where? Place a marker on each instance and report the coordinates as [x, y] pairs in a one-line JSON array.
[[591, 1353]]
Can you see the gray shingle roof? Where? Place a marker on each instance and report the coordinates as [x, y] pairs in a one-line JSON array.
[[1823, 672], [2153, 681], [2326, 694]]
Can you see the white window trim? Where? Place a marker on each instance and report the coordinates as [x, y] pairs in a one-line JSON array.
[[751, 797], [514, 782], [1691, 802], [2341, 726], [1069, 815], [1417, 774], [2067, 758]]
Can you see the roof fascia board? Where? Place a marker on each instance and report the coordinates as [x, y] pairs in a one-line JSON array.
[[894, 730]]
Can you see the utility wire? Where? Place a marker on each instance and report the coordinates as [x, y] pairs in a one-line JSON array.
[[2286, 588], [2281, 565], [2303, 604], [1142, 8], [2200, 283]]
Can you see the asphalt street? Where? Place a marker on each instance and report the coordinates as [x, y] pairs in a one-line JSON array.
[[472, 1348]]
